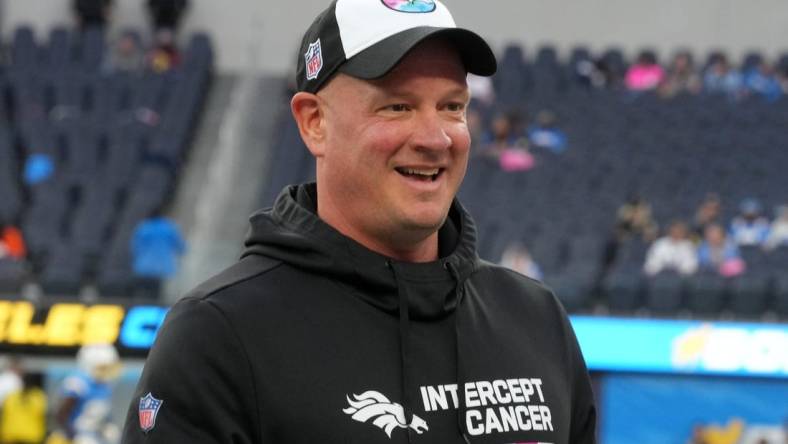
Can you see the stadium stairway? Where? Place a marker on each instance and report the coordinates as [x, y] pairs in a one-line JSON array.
[[220, 188]]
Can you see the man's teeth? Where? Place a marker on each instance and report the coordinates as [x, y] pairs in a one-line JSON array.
[[431, 172]]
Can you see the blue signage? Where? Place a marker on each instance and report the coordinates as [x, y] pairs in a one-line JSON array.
[[693, 347]]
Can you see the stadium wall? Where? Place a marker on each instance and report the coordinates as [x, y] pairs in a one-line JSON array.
[[263, 35]]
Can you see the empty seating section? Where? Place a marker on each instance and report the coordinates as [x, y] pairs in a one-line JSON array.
[[117, 141], [671, 152]]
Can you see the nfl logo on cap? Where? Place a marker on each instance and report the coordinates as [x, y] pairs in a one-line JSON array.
[[149, 408], [314, 60]]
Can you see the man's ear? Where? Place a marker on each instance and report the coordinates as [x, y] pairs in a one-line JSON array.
[[308, 114]]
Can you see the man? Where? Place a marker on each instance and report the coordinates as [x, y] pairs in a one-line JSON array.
[[360, 311], [83, 415]]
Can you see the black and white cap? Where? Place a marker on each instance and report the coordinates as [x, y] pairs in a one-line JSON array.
[[367, 38]]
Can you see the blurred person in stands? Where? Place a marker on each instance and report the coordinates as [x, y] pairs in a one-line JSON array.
[[595, 73], [92, 12], [719, 254], [708, 212], [517, 257], [83, 415], [645, 74], [156, 245], [506, 144], [167, 14], [12, 243], [545, 134], [164, 54], [674, 252], [721, 78], [762, 81], [10, 378], [633, 221], [682, 77], [126, 55], [749, 228], [23, 419], [778, 232]]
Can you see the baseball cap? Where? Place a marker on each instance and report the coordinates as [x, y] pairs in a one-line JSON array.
[[367, 38]]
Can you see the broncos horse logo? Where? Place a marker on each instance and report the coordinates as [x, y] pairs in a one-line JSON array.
[[384, 414]]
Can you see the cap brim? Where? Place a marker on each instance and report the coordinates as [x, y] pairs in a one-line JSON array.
[[377, 60]]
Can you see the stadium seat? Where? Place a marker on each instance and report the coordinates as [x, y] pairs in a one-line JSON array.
[[623, 290], [707, 294], [665, 293], [12, 275], [749, 295]]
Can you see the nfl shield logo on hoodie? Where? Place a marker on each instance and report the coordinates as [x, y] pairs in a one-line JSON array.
[[149, 408]]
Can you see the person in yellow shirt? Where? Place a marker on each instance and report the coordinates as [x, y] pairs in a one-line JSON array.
[[23, 419]]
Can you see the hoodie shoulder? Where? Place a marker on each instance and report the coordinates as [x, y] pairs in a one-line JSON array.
[[247, 268]]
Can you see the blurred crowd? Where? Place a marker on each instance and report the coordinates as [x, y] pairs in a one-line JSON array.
[[757, 76], [707, 243], [128, 52]]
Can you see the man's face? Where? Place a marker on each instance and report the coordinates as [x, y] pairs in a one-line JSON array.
[[396, 148]]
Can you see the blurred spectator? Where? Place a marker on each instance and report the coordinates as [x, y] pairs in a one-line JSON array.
[[503, 133], [762, 81], [516, 257], [84, 411], [38, 168], [515, 159], [126, 55], [778, 233], [481, 89], [674, 252], [719, 254], [156, 245], [750, 228], [646, 74], [92, 12], [164, 55], [12, 244], [634, 219], [166, 14], [681, 77], [545, 134], [23, 419], [721, 78], [506, 144], [595, 73], [10, 379], [709, 212]]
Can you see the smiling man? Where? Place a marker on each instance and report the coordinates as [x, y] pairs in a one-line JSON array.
[[360, 311]]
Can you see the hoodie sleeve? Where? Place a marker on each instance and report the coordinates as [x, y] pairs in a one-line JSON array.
[[583, 428], [199, 371]]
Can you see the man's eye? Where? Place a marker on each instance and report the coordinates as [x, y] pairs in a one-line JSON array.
[[399, 107]]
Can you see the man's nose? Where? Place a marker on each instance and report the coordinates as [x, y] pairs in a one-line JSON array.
[[430, 132]]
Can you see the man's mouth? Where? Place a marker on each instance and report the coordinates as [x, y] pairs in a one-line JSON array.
[[423, 174]]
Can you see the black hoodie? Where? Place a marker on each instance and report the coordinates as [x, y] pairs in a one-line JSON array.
[[311, 337]]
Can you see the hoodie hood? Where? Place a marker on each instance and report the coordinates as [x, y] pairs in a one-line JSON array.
[[292, 232]]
